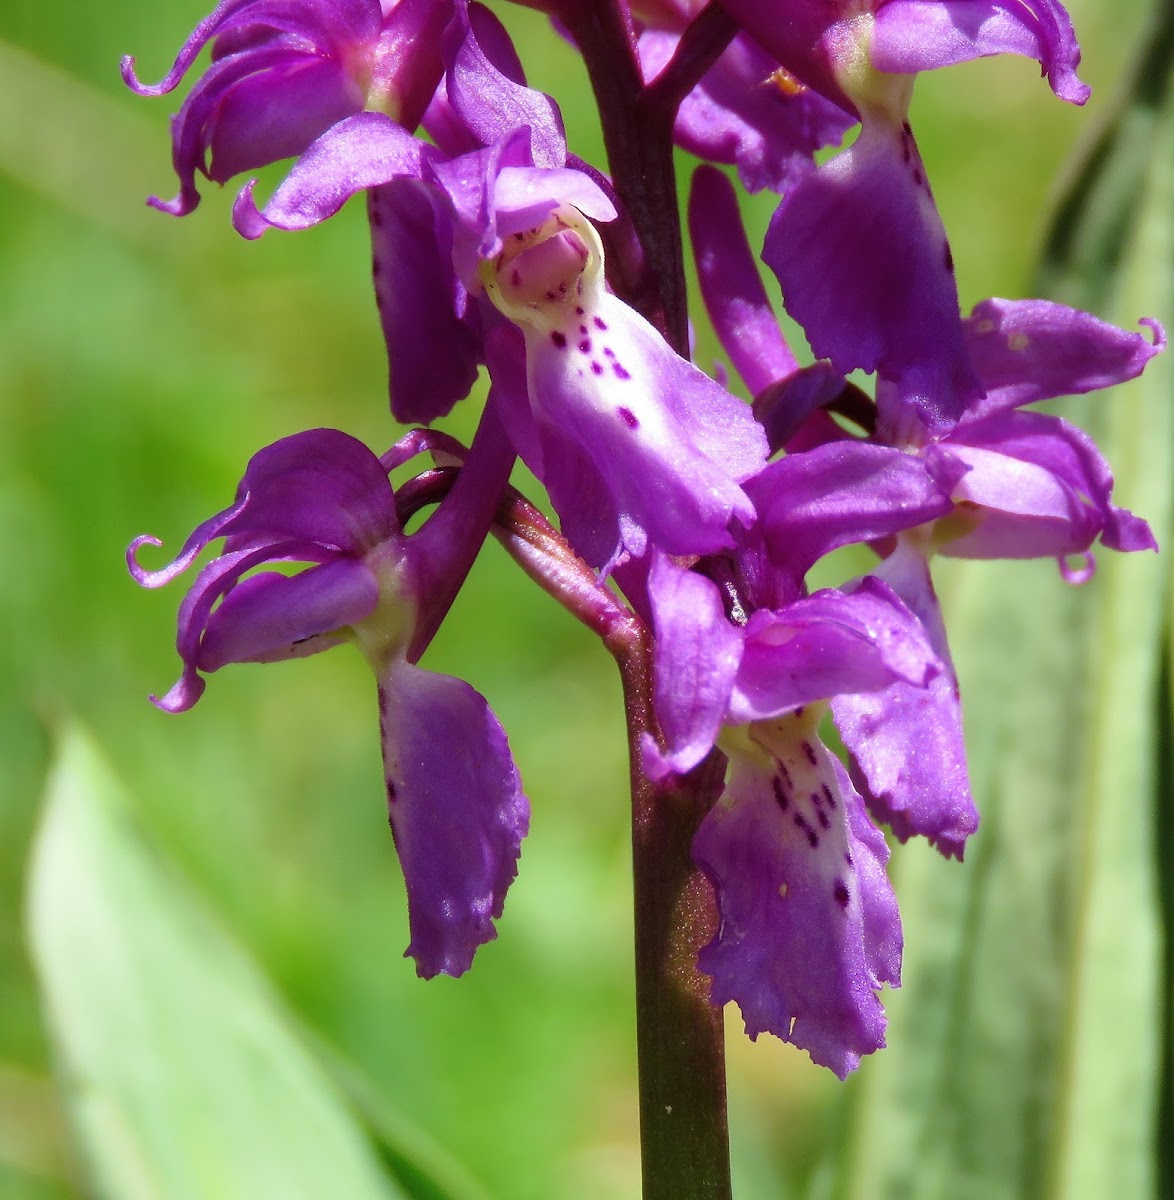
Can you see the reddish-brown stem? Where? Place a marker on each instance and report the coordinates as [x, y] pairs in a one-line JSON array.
[[683, 1130], [639, 147], [680, 1048]]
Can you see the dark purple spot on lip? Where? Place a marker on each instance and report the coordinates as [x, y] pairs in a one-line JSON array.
[[620, 371], [827, 795], [780, 792], [390, 791], [551, 295], [578, 310], [907, 128], [600, 323], [585, 345], [840, 892], [596, 367], [784, 774], [809, 753], [812, 836], [824, 823], [519, 237], [583, 330], [515, 277], [949, 260], [629, 418], [608, 352], [559, 339]]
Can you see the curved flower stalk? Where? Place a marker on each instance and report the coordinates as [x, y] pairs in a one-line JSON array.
[[322, 500], [858, 246]]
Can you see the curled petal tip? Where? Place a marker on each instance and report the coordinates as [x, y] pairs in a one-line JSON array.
[[141, 577], [246, 217], [183, 695], [132, 81], [1158, 330], [184, 203], [1080, 571]]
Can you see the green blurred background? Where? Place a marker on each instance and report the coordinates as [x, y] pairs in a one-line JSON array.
[[142, 360]]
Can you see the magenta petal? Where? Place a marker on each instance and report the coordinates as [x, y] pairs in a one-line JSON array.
[[1042, 489], [842, 493], [321, 485], [223, 14], [809, 924], [214, 580], [906, 742], [918, 35], [270, 617], [734, 296], [696, 657], [277, 113], [865, 268], [669, 443], [428, 326], [457, 812], [1029, 350], [489, 102], [826, 645], [361, 152]]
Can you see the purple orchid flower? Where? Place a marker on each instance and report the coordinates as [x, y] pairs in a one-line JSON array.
[[634, 443], [747, 660], [340, 84], [809, 926], [323, 500], [858, 246], [1020, 484], [746, 111], [283, 74]]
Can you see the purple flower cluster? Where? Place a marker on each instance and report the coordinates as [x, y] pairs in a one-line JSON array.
[[488, 242]]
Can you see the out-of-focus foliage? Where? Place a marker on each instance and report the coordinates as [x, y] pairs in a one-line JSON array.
[[1026, 1048], [143, 359], [182, 1075]]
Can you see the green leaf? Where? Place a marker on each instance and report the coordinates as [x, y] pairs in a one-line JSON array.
[[1026, 1045], [182, 1075]]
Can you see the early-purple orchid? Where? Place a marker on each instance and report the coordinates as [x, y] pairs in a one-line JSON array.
[[690, 523], [282, 74], [323, 500], [858, 245], [634, 443], [1020, 484], [745, 659]]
